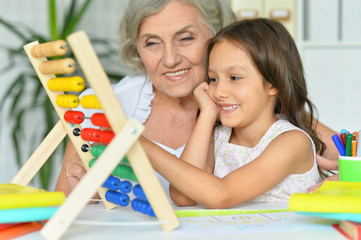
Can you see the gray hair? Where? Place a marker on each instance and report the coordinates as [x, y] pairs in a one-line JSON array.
[[215, 14]]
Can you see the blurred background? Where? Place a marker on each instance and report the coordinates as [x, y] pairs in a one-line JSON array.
[[327, 33]]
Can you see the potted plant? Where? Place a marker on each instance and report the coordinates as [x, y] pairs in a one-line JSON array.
[[26, 85]]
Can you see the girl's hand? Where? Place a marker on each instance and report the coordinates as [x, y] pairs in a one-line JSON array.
[[206, 104]]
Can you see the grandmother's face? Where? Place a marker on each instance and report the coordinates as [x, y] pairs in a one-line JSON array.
[[172, 46]]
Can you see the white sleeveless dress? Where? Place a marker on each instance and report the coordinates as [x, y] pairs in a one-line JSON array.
[[229, 157]]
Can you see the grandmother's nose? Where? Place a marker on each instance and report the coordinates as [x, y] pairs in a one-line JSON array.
[[171, 56]]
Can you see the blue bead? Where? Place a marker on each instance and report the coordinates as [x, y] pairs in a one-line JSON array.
[[143, 207], [149, 211], [123, 199], [109, 196], [118, 198], [134, 204], [138, 192], [112, 183], [125, 187]]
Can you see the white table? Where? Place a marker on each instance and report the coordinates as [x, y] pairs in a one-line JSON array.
[[277, 225]]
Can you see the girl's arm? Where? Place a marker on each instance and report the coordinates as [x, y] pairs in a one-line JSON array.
[[289, 153], [197, 151]]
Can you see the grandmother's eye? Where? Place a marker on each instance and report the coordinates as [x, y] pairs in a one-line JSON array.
[[148, 44], [187, 38]]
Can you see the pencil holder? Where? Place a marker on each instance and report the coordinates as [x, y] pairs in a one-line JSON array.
[[349, 169]]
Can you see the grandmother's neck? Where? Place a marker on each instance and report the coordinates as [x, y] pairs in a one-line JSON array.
[[185, 102]]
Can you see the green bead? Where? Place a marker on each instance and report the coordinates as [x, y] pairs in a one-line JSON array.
[[125, 172], [125, 160], [97, 150], [91, 162]]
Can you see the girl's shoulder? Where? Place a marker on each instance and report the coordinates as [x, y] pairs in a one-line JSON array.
[[279, 127], [289, 136], [283, 129]]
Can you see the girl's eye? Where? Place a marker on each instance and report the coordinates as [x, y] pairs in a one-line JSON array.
[[235, 78], [213, 80]]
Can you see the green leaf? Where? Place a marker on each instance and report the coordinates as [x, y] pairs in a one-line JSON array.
[[10, 91], [18, 93], [68, 18], [38, 93], [13, 28], [17, 131], [75, 20], [53, 20], [18, 88], [45, 173]]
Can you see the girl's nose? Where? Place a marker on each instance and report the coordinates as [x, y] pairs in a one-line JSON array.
[[171, 57], [221, 91]]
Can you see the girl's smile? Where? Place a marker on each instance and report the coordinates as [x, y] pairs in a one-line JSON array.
[[227, 108]]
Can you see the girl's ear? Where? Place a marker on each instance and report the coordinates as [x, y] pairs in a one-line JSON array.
[[272, 91]]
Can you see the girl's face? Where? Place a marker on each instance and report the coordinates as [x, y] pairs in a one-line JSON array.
[[237, 87], [172, 46]]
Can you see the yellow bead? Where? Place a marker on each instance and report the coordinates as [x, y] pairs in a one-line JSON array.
[[67, 101], [90, 101], [67, 84]]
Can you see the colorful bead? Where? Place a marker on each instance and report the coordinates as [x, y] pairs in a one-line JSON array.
[[118, 198], [125, 187], [112, 183], [67, 84]]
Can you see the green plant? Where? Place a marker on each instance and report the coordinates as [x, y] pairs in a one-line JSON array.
[[26, 84]]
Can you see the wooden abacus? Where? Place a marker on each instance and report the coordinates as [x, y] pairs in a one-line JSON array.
[[124, 142]]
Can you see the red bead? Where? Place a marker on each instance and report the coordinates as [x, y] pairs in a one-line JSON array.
[[74, 117], [90, 134], [99, 119], [106, 136]]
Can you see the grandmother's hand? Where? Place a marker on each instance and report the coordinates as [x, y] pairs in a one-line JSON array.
[[74, 171], [328, 164], [331, 178]]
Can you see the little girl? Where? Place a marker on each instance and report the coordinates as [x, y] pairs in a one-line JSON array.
[[265, 148]]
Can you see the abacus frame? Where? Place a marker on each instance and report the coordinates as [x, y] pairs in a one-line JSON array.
[[124, 143]]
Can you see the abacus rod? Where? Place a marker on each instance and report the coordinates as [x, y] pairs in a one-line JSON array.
[[40, 155]]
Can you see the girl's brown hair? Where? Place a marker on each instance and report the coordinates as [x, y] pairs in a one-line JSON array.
[[275, 54]]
